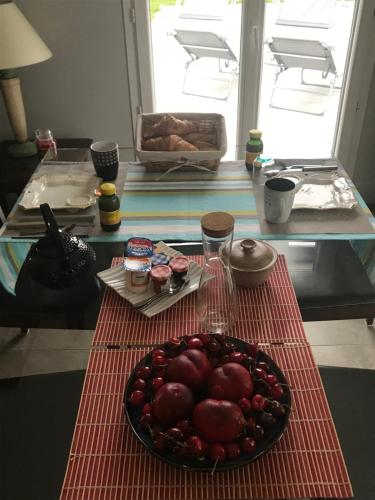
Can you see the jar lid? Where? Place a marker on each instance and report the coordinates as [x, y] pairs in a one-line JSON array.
[[107, 188], [251, 255], [160, 273], [217, 224], [255, 133], [179, 264]]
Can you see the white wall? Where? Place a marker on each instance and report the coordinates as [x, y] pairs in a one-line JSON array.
[[82, 91]]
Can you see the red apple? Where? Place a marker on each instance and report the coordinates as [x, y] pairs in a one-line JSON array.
[[172, 402], [218, 420], [230, 381], [191, 368]]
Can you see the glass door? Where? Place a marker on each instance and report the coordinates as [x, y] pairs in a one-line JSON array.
[[278, 65]]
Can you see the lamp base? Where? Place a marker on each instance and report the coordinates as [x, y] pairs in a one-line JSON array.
[[22, 149]]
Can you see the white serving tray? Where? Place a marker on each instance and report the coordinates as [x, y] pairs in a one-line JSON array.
[[321, 190], [61, 191], [114, 277]]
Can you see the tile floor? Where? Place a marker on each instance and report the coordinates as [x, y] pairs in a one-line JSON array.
[[348, 343]]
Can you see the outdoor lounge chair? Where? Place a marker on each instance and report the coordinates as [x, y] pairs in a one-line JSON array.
[[306, 55], [199, 44]]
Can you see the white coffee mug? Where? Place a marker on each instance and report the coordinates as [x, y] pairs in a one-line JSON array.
[[278, 199]]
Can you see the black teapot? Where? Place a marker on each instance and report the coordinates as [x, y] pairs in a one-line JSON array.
[[59, 268]]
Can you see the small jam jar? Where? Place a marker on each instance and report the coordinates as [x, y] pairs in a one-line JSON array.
[[179, 266], [160, 276]]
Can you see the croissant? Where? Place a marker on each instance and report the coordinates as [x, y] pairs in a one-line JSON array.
[[169, 143], [205, 146], [168, 125], [195, 137]]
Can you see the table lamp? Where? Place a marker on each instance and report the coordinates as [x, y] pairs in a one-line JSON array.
[[20, 45]]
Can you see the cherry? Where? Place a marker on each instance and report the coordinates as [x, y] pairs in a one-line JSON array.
[[252, 349], [194, 444], [140, 384], [276, 391], [267, 420], [156, 430], [137, 398], [214, 347], [144, 372], [245, 406], [195, 343], [250, 424], [258, 432], [205, 338], [159, 361], [228, 348], [258, 402], [248, 445], [161, 442], [263, 366], [277, 409], [157, 382], [175, 434], [236, 357], [147, 409], [232, 450], [146, 420], [205, 448], [160, 371], [216, 452], [271, 379], [174, 342], [224, 359], [185, 427], [260, 374], [158, 352]]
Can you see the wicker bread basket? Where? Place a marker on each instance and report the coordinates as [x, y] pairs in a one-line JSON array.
[[161, 161]]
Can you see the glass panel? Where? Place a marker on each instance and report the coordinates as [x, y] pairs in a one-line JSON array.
[[195, 49], [305, 51]]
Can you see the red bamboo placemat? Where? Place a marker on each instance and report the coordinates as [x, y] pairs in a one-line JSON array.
[[107, 461], [268, 313]]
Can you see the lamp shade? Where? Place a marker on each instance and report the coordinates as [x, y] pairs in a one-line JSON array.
[[20, 44]]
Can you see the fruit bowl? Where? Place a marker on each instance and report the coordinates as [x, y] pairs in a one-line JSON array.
[[182, 438]]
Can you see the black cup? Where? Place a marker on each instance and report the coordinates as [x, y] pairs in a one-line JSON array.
[[105, 157]]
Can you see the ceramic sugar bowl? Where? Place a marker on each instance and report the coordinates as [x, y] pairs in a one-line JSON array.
[[252, 262]]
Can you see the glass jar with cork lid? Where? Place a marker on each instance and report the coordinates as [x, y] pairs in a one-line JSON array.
[[217, 297]]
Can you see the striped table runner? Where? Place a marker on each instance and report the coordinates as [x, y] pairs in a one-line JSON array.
[[106, 461]]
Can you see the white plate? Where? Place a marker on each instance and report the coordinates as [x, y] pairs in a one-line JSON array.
[[114, 277], [321, 190], [69, 191]]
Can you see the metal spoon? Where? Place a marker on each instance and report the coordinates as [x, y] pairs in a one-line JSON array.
[[173, 289]]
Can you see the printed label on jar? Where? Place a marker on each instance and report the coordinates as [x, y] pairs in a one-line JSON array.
[[250, 157], [110, 218]]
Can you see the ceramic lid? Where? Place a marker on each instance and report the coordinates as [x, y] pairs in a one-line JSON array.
[[251, 255]]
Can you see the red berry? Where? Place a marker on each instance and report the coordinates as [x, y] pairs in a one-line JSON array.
[[224, 359], [250, 424], [137, 398], [259, 373], [160, 371], [194, 444], [252, 349], [258, 432], [205, 448], [277, 391], [161, 442], [174, 433], [159, 361], [144, 372], [267, 420], [195, 343], [248, 445], [232, 450], [258, 402], [214, 347], [174, 342], [263, 365], [277, 409], [146, 421], [205, 338], [236, 357], [217, 452], [140, 384], [271, 379], [156, 383], [185, 427], [245, 406], [158, 352], [147, 408]]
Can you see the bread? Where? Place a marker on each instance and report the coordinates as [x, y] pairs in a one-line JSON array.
[[171, 142], [209, 136], [205, 146], [169, 125]]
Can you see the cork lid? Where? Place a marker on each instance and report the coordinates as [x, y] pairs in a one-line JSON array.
[[217, 224], [255, 133]]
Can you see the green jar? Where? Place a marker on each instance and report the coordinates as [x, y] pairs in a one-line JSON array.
[[254, 147], [109, 207]]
